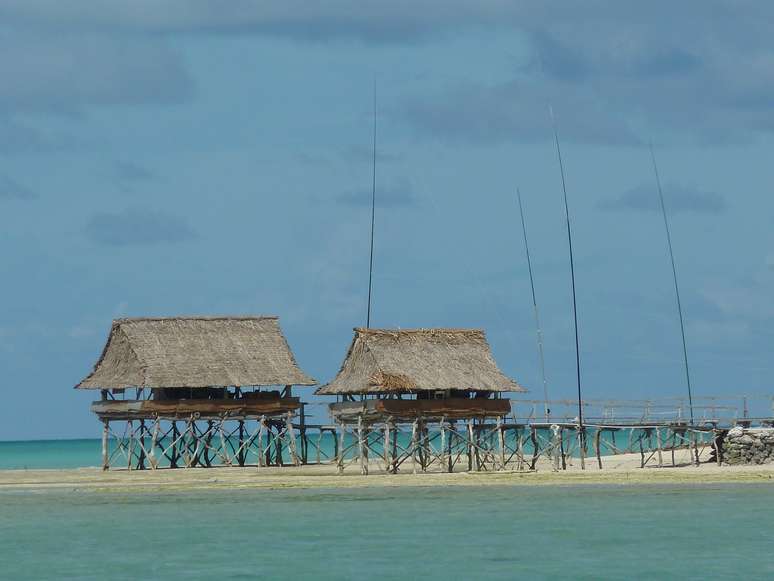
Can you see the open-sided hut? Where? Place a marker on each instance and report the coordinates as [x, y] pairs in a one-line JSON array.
[[427, 373], [433, 379], [216, 369]]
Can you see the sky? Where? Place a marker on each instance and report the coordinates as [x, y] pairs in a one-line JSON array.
[[199, 157]]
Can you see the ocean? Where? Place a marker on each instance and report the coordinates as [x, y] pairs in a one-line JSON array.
[[551, 532]]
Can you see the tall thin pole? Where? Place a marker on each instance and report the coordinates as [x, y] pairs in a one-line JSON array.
[[373, 219], [674, 278], [572, 272], [535, 307]]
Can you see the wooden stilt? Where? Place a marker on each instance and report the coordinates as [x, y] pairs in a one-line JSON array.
[[694, 441], [130, 445], [658, 448], [386, 447], [442, 428], [154, 442], [208, 444], [302, 435], [262, 460], [423, 459], [582, 445], [501, 441], [175, 434], [290, 434], [362, 447], [471, 446], [105, 434], [561, 448], [395, 449], [223, 444], [597, 451], [556, 447], [278, 459], [535, 447], [414, 445], [340, 450], [449, 459], [241, 444], [141, 458]]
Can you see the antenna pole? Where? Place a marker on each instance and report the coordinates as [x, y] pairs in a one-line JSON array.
[[674, 278], [572, 276], [535, 306], [373, 219]]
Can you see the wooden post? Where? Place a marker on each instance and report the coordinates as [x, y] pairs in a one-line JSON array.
[[141, 459], [443, 443], [449, 459], [501, 441], [642, 452], [362, 446], [262, 460], [597, 437], [561, 448], [240, 449], [471, 446], [414, 445], [278, 460], [423, 460], [340, 450], [658, 448], [154, 442], [291, 439], [302, 435], [223, 444], [386, 450], [130, 445], [105, 434], [535, 447], [519, 449], [173, 461], [207, 444], [395, 449], [556, 445], [582, 445], [695, 443]]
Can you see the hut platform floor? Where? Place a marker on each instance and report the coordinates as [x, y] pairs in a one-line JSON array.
[[622, 469]]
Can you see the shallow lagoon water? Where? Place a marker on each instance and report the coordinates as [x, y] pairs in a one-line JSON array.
[[576, 532]]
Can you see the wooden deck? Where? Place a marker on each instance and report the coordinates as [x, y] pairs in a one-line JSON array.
[[429, 409], [199, 408]]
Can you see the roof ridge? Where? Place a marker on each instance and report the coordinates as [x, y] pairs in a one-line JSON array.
[[418, 330], [198, 318]]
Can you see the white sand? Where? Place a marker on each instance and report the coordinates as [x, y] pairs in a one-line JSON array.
[[621, 470]]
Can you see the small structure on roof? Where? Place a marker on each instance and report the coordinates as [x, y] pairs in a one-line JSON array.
[[194, 368], [419, 373]]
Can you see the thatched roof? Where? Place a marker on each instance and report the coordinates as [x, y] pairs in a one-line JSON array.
[[195, 352], [381, 360]]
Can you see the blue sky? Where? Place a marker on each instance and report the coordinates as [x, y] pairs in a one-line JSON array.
[[202, 158]]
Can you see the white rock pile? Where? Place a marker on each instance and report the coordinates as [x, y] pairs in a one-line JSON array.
[[749, 446]]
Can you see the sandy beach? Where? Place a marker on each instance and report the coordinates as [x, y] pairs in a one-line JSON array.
[[619, 470]]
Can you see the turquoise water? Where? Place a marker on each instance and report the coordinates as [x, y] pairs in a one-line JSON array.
[[50, 454], [596, 532]]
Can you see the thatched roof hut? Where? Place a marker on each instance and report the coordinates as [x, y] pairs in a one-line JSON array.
[[195, 352], [409, 361]]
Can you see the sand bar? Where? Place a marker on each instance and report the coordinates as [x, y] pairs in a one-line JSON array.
[[622, 470]]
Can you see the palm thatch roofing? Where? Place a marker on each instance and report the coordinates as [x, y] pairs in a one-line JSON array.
[[383, 361], [195, 352]]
